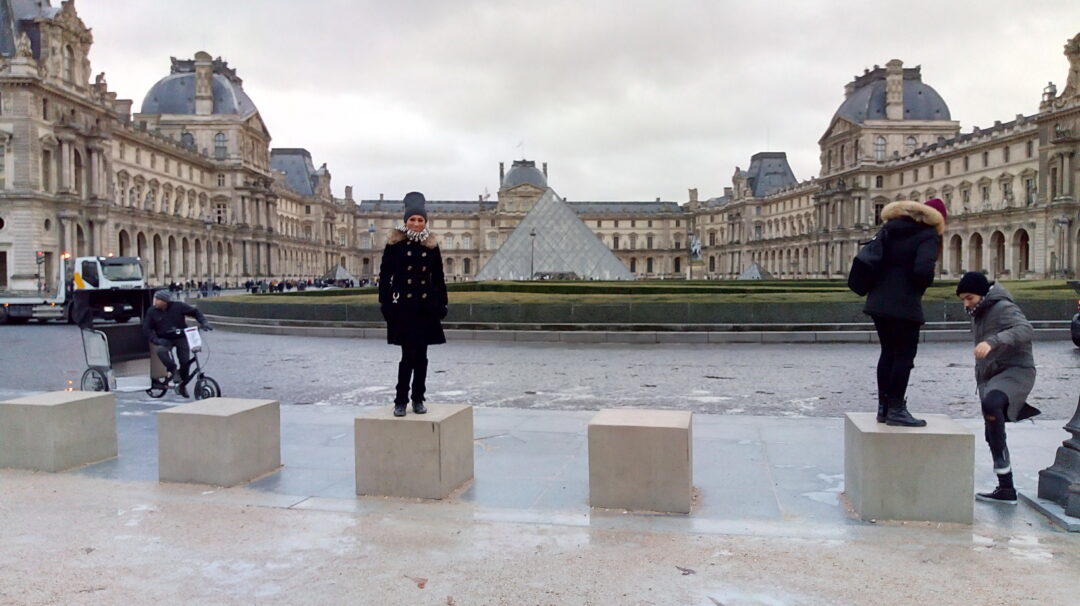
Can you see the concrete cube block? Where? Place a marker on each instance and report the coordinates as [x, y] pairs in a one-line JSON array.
[[57, 430], [425, 456], [909, 473], [219, 441], [641, 459]]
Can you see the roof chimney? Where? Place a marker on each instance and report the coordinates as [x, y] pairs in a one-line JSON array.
[[380, 197], [502, 173], [545, 170], [348, 192], [693, 195], [204, 77], [894, 90]]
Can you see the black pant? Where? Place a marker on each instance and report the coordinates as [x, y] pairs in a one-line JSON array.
[[899, 344], [413, 364], [183, 354], [994, 407]]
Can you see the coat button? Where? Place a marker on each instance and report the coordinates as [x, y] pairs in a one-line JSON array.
[[408, 296], [408, 253], [424, 254], [409, 268], [409, 281], [423, 296], [423, 281], [424, 268]]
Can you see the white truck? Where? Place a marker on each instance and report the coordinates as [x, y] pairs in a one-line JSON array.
[[53, 301]]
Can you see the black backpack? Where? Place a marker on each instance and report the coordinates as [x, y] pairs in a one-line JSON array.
[[867, 265]]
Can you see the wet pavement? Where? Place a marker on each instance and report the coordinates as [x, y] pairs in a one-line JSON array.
[[769, 525], [797, 380]]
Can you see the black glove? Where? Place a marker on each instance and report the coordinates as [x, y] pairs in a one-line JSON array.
[[207, 327], [442, 314]]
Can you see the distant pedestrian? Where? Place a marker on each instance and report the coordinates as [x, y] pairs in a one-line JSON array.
[[1004, 370], [412, 297], [912, 240]]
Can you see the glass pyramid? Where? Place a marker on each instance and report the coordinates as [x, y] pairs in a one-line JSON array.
[[755, 272], [552, 241]]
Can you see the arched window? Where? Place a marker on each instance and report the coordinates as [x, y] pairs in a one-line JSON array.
[[220, 149], [466, 266], [187, 140], [69, 64], [909, 145], [879, 149]]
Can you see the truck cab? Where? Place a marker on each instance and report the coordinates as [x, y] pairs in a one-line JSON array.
[[108, 273]]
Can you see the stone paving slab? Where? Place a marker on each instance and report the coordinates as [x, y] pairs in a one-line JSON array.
[[785, 472]]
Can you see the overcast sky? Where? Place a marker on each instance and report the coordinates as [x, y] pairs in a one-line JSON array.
[[625, 99]]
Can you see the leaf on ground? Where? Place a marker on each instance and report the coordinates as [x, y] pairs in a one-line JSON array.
[[419, 582], [686, 571], [716, 601], [450, 600]]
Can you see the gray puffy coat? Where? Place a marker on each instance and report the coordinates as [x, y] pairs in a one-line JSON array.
[[1009, 367]]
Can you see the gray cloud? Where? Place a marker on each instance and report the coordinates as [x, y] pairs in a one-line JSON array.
[[626, 100]]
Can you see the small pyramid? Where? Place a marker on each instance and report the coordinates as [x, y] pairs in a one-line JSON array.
[[754, 272], [563, 246]]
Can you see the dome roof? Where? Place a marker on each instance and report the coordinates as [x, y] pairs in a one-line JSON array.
[[867, 100], [524, 171], [175, 93]]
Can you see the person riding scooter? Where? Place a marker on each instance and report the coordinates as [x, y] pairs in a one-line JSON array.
[[164, 326]]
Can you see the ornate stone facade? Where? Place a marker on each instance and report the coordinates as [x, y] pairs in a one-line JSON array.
[[190, 183]]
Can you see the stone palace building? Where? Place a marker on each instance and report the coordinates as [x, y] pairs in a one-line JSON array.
[[190, 184]]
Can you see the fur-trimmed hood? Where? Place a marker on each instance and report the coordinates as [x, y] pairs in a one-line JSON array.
[[397, 235], [915, 211]]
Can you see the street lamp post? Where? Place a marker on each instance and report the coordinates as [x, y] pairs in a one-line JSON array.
[[532, 253], [371, 245], [209, 256]]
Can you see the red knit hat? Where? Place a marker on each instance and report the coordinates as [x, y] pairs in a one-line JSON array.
[[938, 205]]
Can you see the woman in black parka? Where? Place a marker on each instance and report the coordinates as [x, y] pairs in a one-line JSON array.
[[412, 296], [912, 244]]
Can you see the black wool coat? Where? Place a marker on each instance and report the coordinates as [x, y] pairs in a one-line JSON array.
[[912, 243], [412, 291]]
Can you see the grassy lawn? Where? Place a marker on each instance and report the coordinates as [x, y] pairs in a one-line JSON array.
[[789, 291]]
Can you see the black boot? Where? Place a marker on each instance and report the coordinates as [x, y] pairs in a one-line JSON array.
[[1004, 493], [882, 407], [402, 397], [419, 386], [899, 416]]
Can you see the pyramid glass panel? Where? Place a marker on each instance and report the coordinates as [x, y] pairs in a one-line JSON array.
[[552, 241]]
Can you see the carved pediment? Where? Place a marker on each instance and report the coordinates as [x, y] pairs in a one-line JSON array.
[[69, 19], [255, 123], [838, 126]]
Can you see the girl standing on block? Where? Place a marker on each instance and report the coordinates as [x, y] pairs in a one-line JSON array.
[[912, 233], [412, 297]]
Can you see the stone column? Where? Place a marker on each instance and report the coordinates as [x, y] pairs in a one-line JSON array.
[[1067, 175]]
